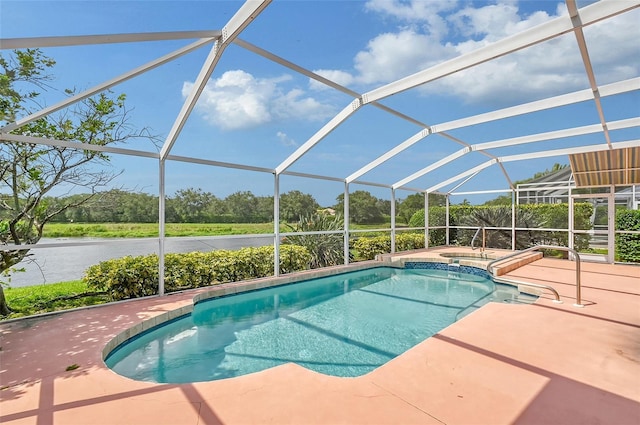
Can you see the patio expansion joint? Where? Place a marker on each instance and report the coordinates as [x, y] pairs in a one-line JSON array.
[[391, 393]]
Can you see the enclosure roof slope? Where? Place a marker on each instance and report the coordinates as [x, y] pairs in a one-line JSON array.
[[587, 125]]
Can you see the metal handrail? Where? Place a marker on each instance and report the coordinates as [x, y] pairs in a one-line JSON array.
[[578, 302], [473, 240], [556, 295]]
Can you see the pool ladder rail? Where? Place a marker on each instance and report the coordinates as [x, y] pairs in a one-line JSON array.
[[556, 295], [473, 240]]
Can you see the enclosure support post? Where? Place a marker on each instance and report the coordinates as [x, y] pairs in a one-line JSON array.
[[346, 224], [393, 220], [570, 224], [426, 219], [276, 224], [513, 219], [161, 226], [611, 225], [446, 217]]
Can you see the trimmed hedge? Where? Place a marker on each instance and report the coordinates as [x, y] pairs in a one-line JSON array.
[[628, 245], [368, 248], [133, 277]]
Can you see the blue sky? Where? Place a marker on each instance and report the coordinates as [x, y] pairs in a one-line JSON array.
[[256, 112]]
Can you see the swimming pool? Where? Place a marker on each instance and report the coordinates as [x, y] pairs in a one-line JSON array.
[[341, 325]]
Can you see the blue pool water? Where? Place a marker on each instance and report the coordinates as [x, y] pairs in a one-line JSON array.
[[343, 325]]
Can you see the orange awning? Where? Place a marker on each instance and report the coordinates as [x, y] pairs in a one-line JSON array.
[[618, 167]]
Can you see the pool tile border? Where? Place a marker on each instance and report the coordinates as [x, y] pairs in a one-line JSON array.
[[451, 267]]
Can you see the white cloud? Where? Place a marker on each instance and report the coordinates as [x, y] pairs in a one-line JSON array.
[[425, 14], [343, 78], [285, 140], [394, 55], [495, 21], [239, 100], [431, 32]]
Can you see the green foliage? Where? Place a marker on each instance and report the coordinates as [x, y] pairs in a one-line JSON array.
[[31, 300], [500, 216], [295, 205], [133, 277], [193, 206], [145, 230], [437, 217], [368, 248], [126, 277], [364, 208], [410, 205], [528, 216], [628, 245], [31, 171], [24, 66], [325, 249], [249, 208], [409, 241]]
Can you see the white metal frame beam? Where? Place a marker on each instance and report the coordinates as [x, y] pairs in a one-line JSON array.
[[521, 157], [238, 22], [106, 85], [549, 103], [532, 138], [76, 145], [281, 61], [538, 34], [319, 135], [619, 87], [83, 40], [584, 53]]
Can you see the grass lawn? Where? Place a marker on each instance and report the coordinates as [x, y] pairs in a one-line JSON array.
[[144, 230], [148, 230], [30, 300]]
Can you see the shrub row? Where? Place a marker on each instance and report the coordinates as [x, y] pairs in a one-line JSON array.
[[628, 245], [549, 216], [133, 277], [368, 248]]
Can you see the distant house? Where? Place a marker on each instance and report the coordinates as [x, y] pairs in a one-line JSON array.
[[555, 187], [552, 188], [328, 211]]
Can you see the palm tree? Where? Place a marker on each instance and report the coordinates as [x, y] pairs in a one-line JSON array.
[[326, 249], [500, 216]]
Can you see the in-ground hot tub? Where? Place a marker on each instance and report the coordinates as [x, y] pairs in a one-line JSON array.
[[457, 256]]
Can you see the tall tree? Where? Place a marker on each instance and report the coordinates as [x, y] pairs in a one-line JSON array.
[[192, 205], [364, 208], [29, 172], [243, 205], [294, 205], [410, 205]]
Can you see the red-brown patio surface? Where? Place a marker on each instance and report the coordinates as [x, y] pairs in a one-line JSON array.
[[544, 363]]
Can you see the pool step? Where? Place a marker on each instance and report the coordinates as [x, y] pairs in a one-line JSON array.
[[513, 263]]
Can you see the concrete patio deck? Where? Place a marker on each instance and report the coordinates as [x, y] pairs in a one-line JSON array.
[[543, 363]]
